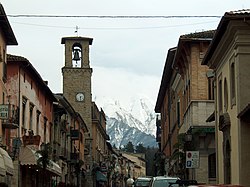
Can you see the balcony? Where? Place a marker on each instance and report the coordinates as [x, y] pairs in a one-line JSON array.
[[196, 115], [64, 153], [9, 115], [74, 134], [31, 140], [75, 157]]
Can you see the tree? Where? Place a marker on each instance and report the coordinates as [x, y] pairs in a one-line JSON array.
[[44, 160], [140, 148], [129, 147]]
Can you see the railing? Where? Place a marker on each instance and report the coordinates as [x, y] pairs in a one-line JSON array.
[[10, 116], [64, 153], [31, 140], [74, 134]]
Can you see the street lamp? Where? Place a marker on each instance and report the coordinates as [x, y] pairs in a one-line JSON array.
[[188, 137]]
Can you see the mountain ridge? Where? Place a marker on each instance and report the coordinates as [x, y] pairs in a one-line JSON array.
[[135, 123]]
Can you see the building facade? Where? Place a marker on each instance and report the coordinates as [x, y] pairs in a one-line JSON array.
[[7, 37], [229, 55], [31, 102], [185, 101]]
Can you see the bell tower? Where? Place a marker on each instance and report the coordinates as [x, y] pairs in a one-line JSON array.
[[77, 76]]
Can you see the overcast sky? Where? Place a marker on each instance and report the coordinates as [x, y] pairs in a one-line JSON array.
[[127, 55]]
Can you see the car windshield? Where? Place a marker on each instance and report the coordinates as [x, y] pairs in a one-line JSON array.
[[165, 183], [141, 183]]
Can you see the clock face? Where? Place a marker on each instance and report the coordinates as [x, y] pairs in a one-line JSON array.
[[80, 96]]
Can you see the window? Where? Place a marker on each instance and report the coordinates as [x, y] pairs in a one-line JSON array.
[[212, 166], [23, 112], [210, 77], [178, 112], [31, 116], [44, 129], [220, 96], [77, 55], [225, 95], [37, 121], [232, 81], [4, 67], [3, 101]]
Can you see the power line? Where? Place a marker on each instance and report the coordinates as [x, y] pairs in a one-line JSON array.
[[115, 28], [109, 17]]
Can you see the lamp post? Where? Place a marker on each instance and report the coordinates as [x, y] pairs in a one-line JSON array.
[[188, 141]]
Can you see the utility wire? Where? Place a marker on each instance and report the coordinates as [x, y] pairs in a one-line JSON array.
[[115, 28], [108, 17]]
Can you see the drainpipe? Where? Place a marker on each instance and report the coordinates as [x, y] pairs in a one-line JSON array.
[[169, 129], [18, 132]]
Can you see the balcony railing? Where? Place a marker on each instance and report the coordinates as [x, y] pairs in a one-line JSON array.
[[74, 134], [64, 153], [10, 116], [31, 140]]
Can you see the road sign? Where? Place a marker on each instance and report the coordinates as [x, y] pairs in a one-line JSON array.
[[192, 159]]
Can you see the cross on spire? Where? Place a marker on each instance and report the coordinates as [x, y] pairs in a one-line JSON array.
[[76, 31]]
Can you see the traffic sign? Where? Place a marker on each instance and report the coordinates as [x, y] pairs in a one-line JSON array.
[[192, 159]]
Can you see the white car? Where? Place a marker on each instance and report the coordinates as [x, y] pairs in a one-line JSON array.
[[163, 181]]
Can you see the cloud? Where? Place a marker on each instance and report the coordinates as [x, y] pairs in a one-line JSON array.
[[121, 85]]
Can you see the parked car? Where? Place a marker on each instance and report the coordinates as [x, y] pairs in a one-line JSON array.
[[142, 182], [164, 181]]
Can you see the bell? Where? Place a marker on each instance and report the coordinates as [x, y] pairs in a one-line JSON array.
[[76, 55]]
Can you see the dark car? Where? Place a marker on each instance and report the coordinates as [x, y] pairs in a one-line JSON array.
[[142, 182]]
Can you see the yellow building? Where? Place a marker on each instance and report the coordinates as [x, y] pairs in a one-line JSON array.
[[138, 168], [229, 57]]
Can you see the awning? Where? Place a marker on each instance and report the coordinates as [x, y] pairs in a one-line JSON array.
[[2, 166], [9, 167], [101, 177], [28, 156], [55, 168]]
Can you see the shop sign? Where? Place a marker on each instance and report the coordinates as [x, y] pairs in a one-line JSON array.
[[4, 111]]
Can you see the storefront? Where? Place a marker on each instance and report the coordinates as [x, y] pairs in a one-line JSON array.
[[32, 174]]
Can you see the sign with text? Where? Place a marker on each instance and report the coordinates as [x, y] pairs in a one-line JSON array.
[[192, 159], [4, 111]]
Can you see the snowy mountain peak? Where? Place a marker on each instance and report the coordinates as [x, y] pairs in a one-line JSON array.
[[123, 122]]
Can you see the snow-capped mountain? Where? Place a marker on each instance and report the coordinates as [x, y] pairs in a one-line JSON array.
[[134, 122]]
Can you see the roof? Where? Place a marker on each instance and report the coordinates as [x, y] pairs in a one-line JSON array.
[[204, 36], [23, 62], [199, 35], [6, 28], [221, 29], [166, 75], [77, 38]]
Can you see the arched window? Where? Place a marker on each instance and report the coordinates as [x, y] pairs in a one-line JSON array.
[[77, 55]]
